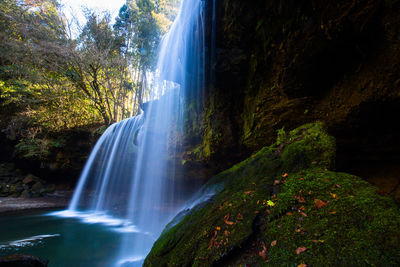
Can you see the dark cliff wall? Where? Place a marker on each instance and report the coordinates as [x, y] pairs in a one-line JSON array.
[[282, 63]]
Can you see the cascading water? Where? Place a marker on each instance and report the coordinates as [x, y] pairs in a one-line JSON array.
[[130, 172]]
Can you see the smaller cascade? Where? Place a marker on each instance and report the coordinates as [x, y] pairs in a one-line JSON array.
[[102, 190]]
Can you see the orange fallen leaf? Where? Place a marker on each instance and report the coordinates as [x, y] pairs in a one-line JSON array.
[[273, 243], [303, 214], [301, 179], [302, 265], [263, 253], [319, 203], [300, 199], [285, 175], [337, 186], [211, 244], [226, 233], [318, 241], [300, 250], [218, 228], [332, 212], [334, 196], [248, 192], [226, 220], [289, 213], [302, 208]]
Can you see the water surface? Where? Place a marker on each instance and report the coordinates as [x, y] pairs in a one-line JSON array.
[[82, 240]]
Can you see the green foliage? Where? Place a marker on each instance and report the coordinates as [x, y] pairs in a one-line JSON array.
[[281, 135], [50, 81]]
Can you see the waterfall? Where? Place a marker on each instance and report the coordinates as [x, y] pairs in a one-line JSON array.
[[128, 181]]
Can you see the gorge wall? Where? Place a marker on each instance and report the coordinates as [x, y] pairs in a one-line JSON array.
[[282, 63]]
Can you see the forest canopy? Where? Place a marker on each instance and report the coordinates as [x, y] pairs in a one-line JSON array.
[[56, 74]]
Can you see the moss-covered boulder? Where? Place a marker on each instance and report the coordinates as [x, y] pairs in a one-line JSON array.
[[284, 207]]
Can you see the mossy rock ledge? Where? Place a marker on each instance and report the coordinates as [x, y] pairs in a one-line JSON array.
[[284, 206]]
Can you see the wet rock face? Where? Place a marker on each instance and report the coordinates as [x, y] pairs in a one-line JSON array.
[[284, 63], [22, 261]]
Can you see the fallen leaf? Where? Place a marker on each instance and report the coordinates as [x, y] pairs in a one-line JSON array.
[[302, 265], [301, 179], [263, 253], [270, 203], [289, 213], [273, 243], [300, 250], [334, 196], [300, 199], [226, 220], [337, 186], [303, 214], [276, 182], [226, 233], [332, 212], [285, 175], [302, 208], [319, 203], [211, 244], [218, 228], [248, 192], [318, 241], [239, 216]]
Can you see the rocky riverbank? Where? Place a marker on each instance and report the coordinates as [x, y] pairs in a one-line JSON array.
[[58, 199]]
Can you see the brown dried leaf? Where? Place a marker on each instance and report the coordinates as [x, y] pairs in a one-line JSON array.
[[300, 199], [263, 253], [319, 203], [303, 214], [300, 250], [273, 243], [285, 175], [226, 220]]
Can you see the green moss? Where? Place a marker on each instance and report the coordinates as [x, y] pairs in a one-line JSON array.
[[271, 196], [353, 227]]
